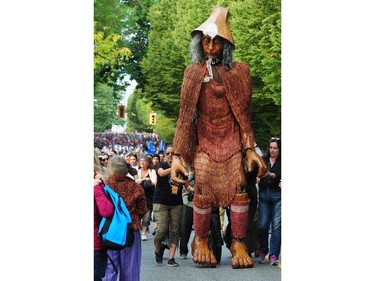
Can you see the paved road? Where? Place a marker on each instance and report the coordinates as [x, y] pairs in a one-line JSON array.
[[187, 270]]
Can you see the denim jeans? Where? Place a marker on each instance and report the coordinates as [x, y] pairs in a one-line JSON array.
[[270, 216]]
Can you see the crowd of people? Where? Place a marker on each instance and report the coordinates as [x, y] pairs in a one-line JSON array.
[[151, 199], [213, 158], [121, 143]]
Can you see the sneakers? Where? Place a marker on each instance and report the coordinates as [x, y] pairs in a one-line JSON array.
[[273, 260], [183, 256], [172, 263], [144, 237], [261, 257], [159, 257]]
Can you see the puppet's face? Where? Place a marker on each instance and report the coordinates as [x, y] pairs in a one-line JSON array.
[[212, 47]]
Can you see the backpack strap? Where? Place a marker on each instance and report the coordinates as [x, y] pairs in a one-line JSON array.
[[113, 264]]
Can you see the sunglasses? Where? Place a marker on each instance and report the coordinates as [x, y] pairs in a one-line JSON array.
[[169, 153], [104, 159], [274, 138]]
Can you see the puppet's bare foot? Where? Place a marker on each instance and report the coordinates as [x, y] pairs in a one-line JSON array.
[[240, 257], [202, 253]]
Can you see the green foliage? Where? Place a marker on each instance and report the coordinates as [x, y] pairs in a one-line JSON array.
[[138, 118], [110, 59], [165, 127], [110, 51], [158, 35], [133, 118], [107, 49], [163, 64], [105, 107], [135, 31], [110, 13], [256, 28]]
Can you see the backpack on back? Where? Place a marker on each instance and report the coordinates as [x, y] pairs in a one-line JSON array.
[[116, 231]]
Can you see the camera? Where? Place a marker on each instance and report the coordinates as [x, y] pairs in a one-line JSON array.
[[190, 196], [181, 176]]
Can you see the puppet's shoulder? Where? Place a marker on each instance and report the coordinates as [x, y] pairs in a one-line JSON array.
[[194, 70], [240, 66]]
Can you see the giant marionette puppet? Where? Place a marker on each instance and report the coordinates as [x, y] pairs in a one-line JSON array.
[[214, 133]]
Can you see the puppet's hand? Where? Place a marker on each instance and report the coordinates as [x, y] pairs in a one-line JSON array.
[[253, 157], [178, 169]]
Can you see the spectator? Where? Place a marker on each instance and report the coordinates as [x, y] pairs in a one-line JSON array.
[[98, 167], [102, 208], [147, 180], [155, 160], [161, 155], [270, 204], [252, 241], [128, 260], [187, 216], [104, 159], [167, 209], [127, 157], [109, 141], [134, 160]]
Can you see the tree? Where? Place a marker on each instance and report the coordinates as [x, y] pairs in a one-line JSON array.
[[108, 24], [135, 31], [158, 35], [110, 58], [257, 31], [105, 107], [163, 64]]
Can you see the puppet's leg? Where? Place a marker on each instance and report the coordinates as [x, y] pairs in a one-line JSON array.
[[239, 209], [199, 247]]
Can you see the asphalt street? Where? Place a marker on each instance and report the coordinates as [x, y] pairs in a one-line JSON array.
[[188, 270]]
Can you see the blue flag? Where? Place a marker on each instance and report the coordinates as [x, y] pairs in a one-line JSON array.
[[150, 147], [161, 146]]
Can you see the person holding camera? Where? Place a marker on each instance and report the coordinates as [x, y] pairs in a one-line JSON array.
[[147, 180], [167, 208]]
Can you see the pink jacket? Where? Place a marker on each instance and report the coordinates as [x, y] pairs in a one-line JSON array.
[[102, 208]]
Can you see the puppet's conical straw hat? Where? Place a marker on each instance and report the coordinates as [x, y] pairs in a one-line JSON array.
[[217, 24]]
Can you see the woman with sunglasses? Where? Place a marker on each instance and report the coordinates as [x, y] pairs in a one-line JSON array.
[[167, 208], [270, 204], [104, 160]]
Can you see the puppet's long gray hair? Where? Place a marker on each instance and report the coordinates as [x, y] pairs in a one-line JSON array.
[[197, 54]]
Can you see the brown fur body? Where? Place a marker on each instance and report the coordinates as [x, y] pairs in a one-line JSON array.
[[212, 119]]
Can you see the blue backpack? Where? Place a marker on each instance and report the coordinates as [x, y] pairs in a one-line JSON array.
[[116, 231]]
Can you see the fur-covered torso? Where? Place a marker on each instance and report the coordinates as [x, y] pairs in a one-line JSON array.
[[218, 132], [208, 132]]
